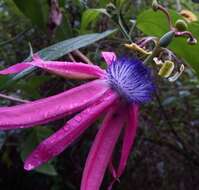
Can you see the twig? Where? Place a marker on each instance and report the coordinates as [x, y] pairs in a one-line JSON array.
[[71, 57], [82, 56], [13, 98], [165, 11]]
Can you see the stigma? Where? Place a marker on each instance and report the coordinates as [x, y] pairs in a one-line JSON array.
[[131, 80]]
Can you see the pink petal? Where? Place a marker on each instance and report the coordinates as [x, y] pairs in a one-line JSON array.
[[51, 108], [102, 149], [129, 137], [109, 57], [73, 70], [60, 140], [14, 69]]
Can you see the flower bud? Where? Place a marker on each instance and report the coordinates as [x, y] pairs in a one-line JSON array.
[[181, 25], [166, 39]]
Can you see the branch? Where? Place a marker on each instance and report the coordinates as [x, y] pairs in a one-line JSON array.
[[82, 56], [13, 98]]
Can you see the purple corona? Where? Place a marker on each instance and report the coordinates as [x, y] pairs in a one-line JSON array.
[[131, 79]]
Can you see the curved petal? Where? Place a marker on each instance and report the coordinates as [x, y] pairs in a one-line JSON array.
[[51, 108], [102, 149], [75, 70], [109, 57], [60, 140], [129, 137]]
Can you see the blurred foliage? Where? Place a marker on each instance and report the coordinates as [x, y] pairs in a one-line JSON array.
[[166, 153]]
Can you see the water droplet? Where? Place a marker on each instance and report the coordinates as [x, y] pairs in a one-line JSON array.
[[28, 167]]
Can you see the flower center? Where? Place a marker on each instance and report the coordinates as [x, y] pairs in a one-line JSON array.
[[131, 79]]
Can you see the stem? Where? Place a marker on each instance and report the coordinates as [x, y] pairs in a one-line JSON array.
[[123, 26], [13, 98], [155, 51], [189, 35], [161, 8], [83, 57], [132, 28], [71, 57]]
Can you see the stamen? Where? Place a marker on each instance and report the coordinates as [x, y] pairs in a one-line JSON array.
[[135, 47], [177, 74], [166, 69]]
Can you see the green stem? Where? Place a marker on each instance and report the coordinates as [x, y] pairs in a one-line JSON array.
[[155, 51], [122, 28]]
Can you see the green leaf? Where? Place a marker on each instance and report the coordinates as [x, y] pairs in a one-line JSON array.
[[90, 16], [35, 10], [155, 24], [48, 169], [58, 50]]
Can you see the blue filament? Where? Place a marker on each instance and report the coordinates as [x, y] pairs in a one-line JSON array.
[[131, 79]]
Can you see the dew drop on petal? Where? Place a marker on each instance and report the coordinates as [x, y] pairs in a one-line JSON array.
[[28, 167]]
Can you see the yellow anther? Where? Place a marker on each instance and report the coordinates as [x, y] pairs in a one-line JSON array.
[[137, 48], [166, 69], [189, 16]]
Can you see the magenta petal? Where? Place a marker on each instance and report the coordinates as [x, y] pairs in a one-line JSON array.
[[109, 57], [14, 69], [75, 70], [60, 140], [102, 149], [51, 108], [129, 137]]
